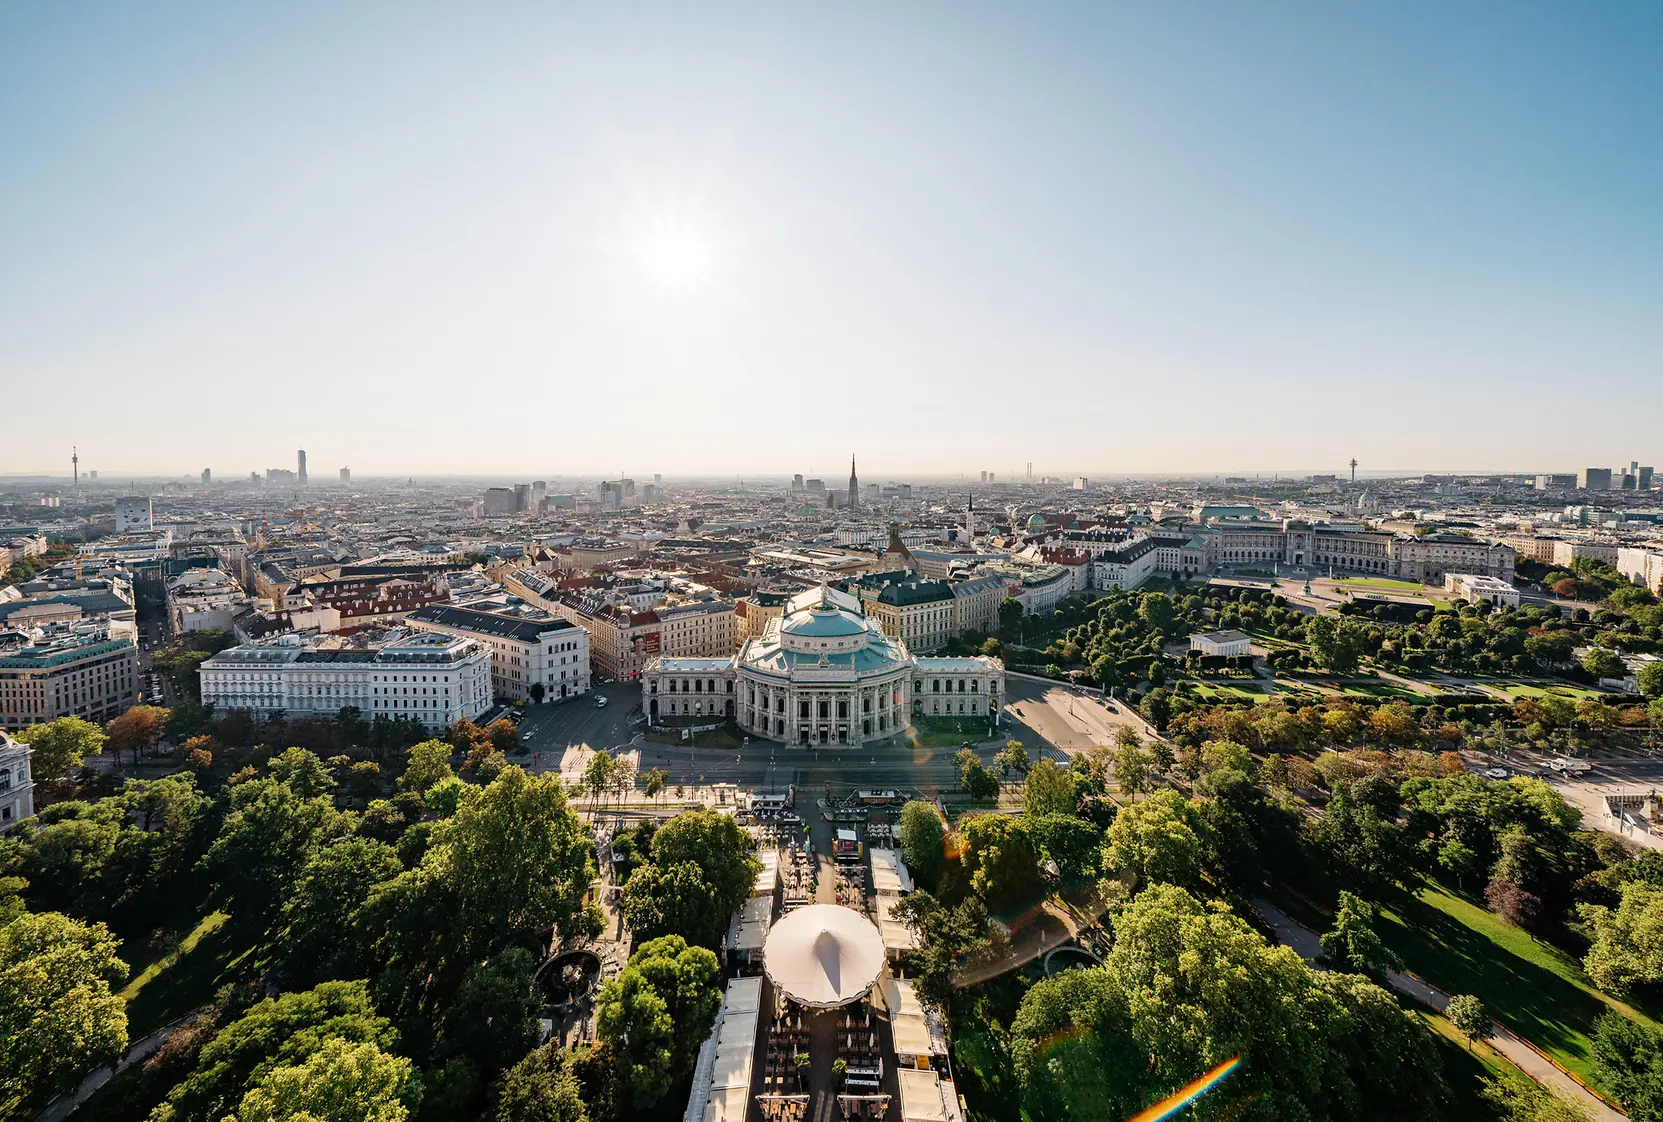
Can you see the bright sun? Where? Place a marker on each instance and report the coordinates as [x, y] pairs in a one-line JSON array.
[[676, 257]]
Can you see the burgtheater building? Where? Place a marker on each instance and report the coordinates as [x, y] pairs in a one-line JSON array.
[[822, 672]]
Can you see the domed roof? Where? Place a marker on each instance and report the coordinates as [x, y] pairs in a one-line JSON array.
[[1036, 522], [824, 623]]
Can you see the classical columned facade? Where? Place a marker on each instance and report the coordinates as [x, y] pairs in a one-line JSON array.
[[822, 674]]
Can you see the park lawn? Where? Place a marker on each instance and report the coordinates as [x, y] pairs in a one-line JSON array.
[[1378, 689], [187, 977], [1526, 689], [723, 738], [1535, 989], [949, 732], [1383, 584], [1211, 690]]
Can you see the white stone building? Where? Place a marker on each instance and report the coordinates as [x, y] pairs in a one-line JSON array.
[[823, 674], [525, 651], [17, 783], [433, 678]]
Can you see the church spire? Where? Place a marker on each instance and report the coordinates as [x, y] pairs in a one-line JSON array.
[[854, 486]]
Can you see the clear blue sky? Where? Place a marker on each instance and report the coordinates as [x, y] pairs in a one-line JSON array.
[[947, 237]]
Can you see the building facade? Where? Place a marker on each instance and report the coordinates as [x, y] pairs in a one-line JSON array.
[[78, 670], [435, 679], [552, 652], [699, 629], [823, 674], [17, 783]]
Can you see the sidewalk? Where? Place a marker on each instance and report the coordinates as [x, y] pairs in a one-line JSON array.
[[137, 1052], [1308, 945]]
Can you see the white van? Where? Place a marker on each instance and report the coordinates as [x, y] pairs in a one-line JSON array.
[[1570, 766]]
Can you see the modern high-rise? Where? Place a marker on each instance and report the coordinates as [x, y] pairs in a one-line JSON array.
[[300, 471], [346, 475], [1594, 479], [207, 477]]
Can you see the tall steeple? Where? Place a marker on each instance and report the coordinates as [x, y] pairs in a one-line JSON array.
[[854, 486]]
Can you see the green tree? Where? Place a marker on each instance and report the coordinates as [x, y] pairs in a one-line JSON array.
[[426, 764], [1049, 789], [1628, 1058], [597, 776], [1202, 986], [538, 691], [654, 780], [1155, 839], [1075, 1052], [58, 1016], [493, 1019], [268, 836], [1627, 947], [1469, 1017], [944, 934], [319, 939], [342, 1081], [59, 747], [1012, 759], [1651, 679], [302, 772], [277, 1032], [1602, 662], [1074, 844], [1001, 860], [1351, 944], [634, 1022], [541, 1088], [701, 871], [1336, 643], [974, 777], [685, 977], [1131, 768], [923, 836], [1156, 611], [518, 861], [1520, 1100]]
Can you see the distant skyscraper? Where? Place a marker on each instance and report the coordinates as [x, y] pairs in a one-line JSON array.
[[207, 477], [854, 486], [346, 475], [93, 475], [1030, 471], [300, 473], [984, 477]]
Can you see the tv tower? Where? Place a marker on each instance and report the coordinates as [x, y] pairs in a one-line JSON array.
[[75, 464]]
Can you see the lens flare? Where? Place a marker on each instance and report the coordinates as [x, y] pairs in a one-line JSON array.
[[1187, 1094]]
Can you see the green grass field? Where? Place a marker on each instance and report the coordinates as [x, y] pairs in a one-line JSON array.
[[1525, 689], [1215, 690], [1378, 689], [1535, 989], [1380, 584], [178, 982]]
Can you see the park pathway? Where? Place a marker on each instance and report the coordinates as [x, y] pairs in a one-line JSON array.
[[139, 1051], [1307, 944]]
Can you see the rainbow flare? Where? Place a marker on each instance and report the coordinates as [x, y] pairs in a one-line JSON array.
[[1188, 1093]]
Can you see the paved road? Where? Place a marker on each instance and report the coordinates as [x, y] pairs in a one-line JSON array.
[[1050, 719], [137, 1052], [1308, 945]]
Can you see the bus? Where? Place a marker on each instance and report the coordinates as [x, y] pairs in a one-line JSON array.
[[880, 798]]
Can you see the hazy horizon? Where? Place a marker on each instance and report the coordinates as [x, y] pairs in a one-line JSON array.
[[1163, 240]]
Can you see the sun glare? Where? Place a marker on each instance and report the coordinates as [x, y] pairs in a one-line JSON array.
[[678, 258]]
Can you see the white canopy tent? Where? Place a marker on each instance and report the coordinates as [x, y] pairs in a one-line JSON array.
[[824, 956]]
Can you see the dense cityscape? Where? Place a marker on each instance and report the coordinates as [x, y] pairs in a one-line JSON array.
[[976, 716], [831, 563]]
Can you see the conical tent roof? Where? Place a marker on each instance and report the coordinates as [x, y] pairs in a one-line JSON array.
[[823, 956]]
